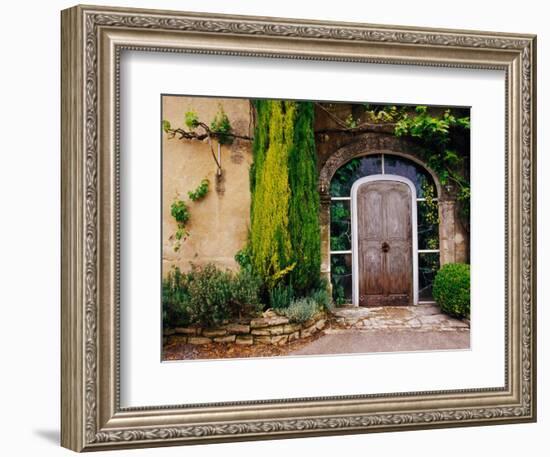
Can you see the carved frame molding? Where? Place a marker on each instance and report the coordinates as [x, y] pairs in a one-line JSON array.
[[92, 40]]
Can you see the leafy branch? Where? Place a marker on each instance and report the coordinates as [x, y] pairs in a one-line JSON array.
[[434, 132], [219, 130], [378, 121]]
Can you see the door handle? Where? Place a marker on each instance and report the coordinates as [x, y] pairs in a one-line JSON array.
[[385, 247]]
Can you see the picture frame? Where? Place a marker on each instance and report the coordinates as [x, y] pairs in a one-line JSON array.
[[93, 39]]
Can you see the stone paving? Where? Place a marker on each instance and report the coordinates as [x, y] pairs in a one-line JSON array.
[[355, 330], [427, 318]]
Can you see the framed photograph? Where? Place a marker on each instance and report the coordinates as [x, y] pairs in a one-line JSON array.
[[276, 228]]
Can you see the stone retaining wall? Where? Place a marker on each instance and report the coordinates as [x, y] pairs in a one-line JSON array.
[[268, 329]]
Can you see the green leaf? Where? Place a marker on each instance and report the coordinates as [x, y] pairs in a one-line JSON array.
[[222, 127], [200, 192], [191, 119], [451, 157]]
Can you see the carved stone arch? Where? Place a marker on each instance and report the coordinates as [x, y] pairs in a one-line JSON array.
[[370, 144]]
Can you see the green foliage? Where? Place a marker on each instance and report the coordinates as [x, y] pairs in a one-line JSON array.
[[175, 300], [200, 192], [435, 133], [281, 296], [339, 271], [429, 128], [383, 113], [181, 232], [463, 199], [180, 211], [191, 119], [428, 217], [340, 222], [301, 310], [303, 210], [322, 297], [451, 289], [338, 295], [245, 293], [208, 296], [432, 215], [221, 127], [351, 123], [260, 144], [220, 130], [284, 238], [340, 184], [269, 235], [244, 258]]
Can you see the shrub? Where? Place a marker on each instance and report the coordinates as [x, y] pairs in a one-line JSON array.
[[245, 293], [208, 296], [322, 297], [244, 258], [301, 310], [175, 300], [451, 289], [281, 296]]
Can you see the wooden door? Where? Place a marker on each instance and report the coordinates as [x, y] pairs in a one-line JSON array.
[[384, 243]]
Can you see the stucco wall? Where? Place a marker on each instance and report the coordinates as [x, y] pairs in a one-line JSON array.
[[219, 223]]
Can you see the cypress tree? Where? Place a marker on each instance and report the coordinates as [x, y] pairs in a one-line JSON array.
[[303, 215], [269, 235], [261, 139], [284, 233]]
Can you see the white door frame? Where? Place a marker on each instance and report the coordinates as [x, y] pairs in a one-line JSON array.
[[354, 228]]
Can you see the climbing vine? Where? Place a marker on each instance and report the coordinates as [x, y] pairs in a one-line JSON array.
[[428, 216], [440, 149], [179, 210], [200, 192], [219, 130], [221, 127], [428, 192]]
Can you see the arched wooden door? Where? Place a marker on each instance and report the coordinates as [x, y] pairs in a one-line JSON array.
[[384, 263]]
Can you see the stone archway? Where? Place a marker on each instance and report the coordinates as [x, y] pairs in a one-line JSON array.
[[452, 237]]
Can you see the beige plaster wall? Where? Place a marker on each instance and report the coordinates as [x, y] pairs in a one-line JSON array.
[[219, 223]]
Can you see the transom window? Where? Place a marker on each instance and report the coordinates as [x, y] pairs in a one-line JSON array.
[[340, 220]]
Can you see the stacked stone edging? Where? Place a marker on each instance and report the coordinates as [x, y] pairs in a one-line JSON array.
[[271, 328]]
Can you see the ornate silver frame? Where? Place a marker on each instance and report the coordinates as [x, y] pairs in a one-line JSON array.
[[92, 40]]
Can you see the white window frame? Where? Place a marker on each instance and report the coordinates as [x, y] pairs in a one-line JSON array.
[[415, 255]]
